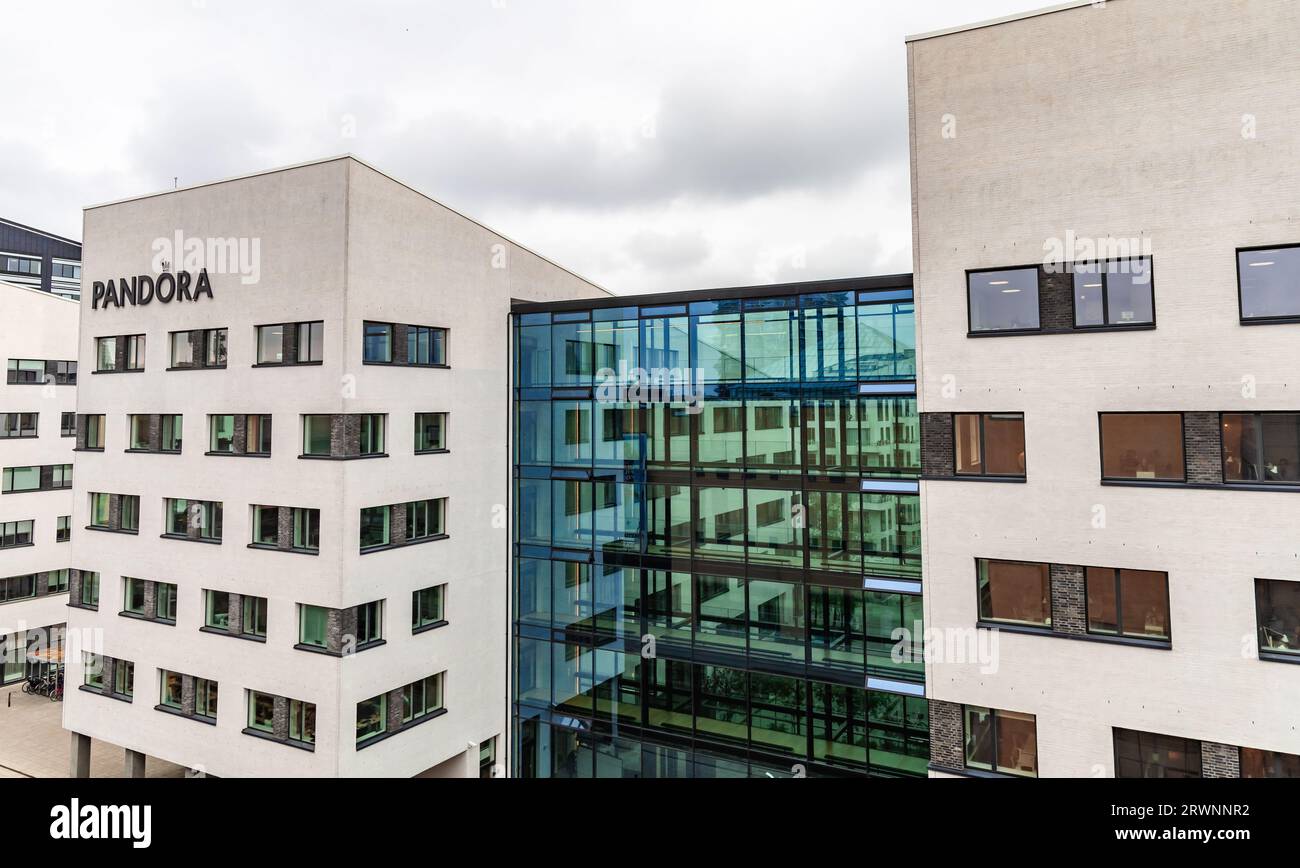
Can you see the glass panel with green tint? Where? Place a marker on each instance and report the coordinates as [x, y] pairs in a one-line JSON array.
[[618, 758], [839, 725], [302, 721], [533, 512], [716, 349], [771, 345], [372, 717], [571, 677], [222, 433], [668, 435], [90, 589], [615, 346], [139, 424], [836, 626], [720, 704], [669, 608], [534, 435], [887, 613], [669, 703], [886, 341], [618, 516], [830, 341], [216, 609], [571, 514], [133, 596], [720, 523], [316, 435], [534, 356], [533, 592], [667, 346], [720, 435], [776, 620], [617, 686], [721, 623], [891, 534], [617, 600], [775, 532], [534, 671], [571, 594], [890, 437], [99, 509], [835, 531], [171, 688], [778, 714], [772, 436], [427, 606], [668, 519], [261, 711], [571, 427], [899, 734], [572, 356], [618, 440], [572, 753], [375, 530], [313, 626]]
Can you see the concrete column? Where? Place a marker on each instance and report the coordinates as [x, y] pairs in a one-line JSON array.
[[471, 760], [134, 764], [79, 766]]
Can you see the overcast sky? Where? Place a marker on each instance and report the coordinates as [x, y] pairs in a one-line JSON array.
[[650, 145]]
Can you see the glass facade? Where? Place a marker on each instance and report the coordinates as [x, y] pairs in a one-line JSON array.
[[717, 539]]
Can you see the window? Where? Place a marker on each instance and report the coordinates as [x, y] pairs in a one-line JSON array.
[[1268, 764], [311, 342], [1269, 283], [204, 348], [1148, 755], [305, 343], [13, 425], [270, 345], [990, 444], [1133, 603], [426, 346], [372, 717], [1115, 293], [172, 689], [1002, 301], [130, 511], [22, 265], [306, 529], [67, 425], [18, 479], [1001, 741], [422, 698], [105, 354], [124, 678], [205, 698], [261, 711], [94, 431], [1014, 592], [254, 617], [100, 509], [371, 441], [57, 581], [16, 533], [375, 531], [17, 588], [216, 610], [133, 592], [430, 432], [92, 673], [258, 436], [135, 352], [1277, 613], [171, 432], [1261, 447], [221, 434], [165, 601], [313, 626], [63, 529], [302, 721], [90, 590], [424, 519], [377, 343], [203, 515], [316, 435], [1142, 446], [427, 606], [266, 525], [370, 623], [61, 476], [139, 431], [25, 372]]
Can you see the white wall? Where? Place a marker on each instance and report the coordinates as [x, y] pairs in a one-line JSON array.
[[1127, 121]]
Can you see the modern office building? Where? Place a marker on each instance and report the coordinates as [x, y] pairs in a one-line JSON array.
[[1107, 277], [40, 260], [38, 340], [717, 536], [292, 478]]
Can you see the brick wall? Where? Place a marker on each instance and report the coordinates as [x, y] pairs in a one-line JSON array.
[[1220, 760], [1056, 299], [946, 749], [937, 456], [1069, 612], [1203, 443]]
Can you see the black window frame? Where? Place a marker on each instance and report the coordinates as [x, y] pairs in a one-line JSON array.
[[1038, 291], [1125, 480], [1263, 652], [1115, 730], [1241, 304], [1119, 609], [207, 338], [984, 448], [1223, 449], [1108, 324], [994, 713]]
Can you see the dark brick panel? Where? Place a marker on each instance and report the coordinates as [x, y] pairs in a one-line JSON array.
[[1220, 760], [946, 749], [1203, 444], [1055, 299], [1069, 600], [937, 455]]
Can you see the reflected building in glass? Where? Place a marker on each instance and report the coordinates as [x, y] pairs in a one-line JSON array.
[[717, 535]]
